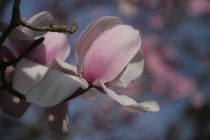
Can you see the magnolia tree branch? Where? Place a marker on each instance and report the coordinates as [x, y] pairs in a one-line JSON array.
[[15, 22], [79, 92], [60, 27], [6, 85]]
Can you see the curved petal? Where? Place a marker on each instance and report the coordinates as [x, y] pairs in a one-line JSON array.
[[133, 71], [110, 53], [58, 118], [27, 74], [54, 88], [55, 45], [130, 104], [10, 104], [90, 95], [90, 34], [40, 19], [63, 67]]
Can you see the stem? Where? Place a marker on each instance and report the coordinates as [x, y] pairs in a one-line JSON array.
[[79, 92], [52, 28], [15, 22], [6, 85]]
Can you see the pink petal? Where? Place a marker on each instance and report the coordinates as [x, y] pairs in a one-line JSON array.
[[90, 95], [58, 118], [54, 88], [109, 54], [10, 104], [130, 104], [40, 19], [133, 71], [90, 34], [55, 45], [27, 74]]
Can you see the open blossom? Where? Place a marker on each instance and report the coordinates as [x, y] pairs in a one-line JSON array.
[[108, 55], [55, 46]]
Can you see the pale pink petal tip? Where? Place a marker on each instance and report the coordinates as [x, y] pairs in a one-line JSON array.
[[130, 104], [132, 72]]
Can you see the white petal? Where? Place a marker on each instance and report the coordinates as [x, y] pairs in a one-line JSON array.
[[133, 70], [130, 104], [54, 88], [27, 74], [90, 95], [58, 118], [63, 67]]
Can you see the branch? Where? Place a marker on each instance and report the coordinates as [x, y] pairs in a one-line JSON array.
[[52, 28], [6, 85], [3, 88], [15, 22], [27, 51], [79, 92]]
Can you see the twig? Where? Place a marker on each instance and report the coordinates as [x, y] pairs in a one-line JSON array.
[[15, 22], [6, 85], [52, 28], [3, 88], [27, 51], [79, 92]]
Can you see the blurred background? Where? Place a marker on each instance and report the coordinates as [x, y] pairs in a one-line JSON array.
[[175, 40]]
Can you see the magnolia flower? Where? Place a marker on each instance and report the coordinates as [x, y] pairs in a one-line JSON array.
[[108, 55], [55, 46]]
